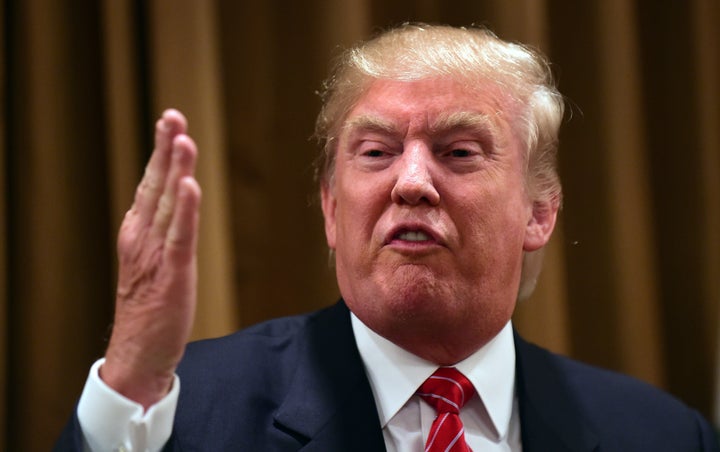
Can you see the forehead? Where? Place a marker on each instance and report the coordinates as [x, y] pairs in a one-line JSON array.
[[429, 104]]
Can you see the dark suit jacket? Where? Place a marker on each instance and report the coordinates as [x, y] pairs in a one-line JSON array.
[[298, 384]]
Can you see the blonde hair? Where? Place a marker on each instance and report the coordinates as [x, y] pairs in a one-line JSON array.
[[474, 56]]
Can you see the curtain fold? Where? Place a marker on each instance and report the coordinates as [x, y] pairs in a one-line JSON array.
[[125, 101], [627, 201], [706, 57], [674, 118], [3, 233], [59, 253], [631, 279]]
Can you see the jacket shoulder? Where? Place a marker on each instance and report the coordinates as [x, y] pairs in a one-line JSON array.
[[623, 412]]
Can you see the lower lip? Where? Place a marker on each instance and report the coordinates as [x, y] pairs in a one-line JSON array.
[[413, 246]]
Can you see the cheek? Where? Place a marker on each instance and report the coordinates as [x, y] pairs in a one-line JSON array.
[[359, 208], [354, 236], [492, 229]]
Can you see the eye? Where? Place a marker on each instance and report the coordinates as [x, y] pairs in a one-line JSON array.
[[462, 149], [374, 153], [460, 153]]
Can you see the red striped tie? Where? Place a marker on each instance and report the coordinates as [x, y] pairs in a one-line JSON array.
[[447, 390]]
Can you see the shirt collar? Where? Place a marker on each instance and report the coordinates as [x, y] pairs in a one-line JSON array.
[[395, 374]]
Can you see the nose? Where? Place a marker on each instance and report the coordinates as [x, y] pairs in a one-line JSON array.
[[414, 184]]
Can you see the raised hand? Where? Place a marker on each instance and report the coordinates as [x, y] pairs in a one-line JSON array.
[[157, 281]]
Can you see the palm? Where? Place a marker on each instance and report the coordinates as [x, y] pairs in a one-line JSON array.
[[157, 275]]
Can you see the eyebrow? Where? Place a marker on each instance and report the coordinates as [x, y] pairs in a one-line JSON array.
[[443, 124], [464, 120], [370, 124]]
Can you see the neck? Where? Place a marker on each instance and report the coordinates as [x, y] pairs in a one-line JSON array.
[[444, 348], [441, 352]]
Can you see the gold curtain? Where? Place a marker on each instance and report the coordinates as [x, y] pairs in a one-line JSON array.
[[632, 275]]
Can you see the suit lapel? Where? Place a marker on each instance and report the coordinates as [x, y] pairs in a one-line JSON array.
[[549, 419], [329, 405]]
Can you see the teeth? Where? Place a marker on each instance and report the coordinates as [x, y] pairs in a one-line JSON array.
[[412, 236]]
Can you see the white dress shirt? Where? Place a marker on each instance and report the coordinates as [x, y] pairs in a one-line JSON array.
[[491, 421], [110, 421]]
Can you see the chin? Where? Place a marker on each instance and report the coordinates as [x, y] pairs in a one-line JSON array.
[[418, 298], [403, 296], [416, 286]]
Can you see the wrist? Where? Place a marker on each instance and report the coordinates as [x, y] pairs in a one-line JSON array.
[[143, 386]]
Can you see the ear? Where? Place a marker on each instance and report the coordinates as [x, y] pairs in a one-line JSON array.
[[329, 204], [541, 224]]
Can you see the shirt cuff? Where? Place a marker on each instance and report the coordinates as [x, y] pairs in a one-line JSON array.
[[111, 421]]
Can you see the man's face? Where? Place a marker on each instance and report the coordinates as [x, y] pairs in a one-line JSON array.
[[428, 214]]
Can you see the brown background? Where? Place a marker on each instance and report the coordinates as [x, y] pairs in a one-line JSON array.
[[632, 275]]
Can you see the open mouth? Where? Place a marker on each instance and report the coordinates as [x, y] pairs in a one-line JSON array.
[[412, 236], [413, 233]]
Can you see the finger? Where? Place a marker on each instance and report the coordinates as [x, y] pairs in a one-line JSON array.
[[175, 123], [181, 241], [182, 164], [152, 185]]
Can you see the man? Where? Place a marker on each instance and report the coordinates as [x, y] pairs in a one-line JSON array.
[[438, 185]]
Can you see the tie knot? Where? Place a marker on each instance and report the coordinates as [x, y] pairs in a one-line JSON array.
[[446, 390]]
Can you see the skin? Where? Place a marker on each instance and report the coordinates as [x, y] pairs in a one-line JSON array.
[[434, 158], [157, 280]]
